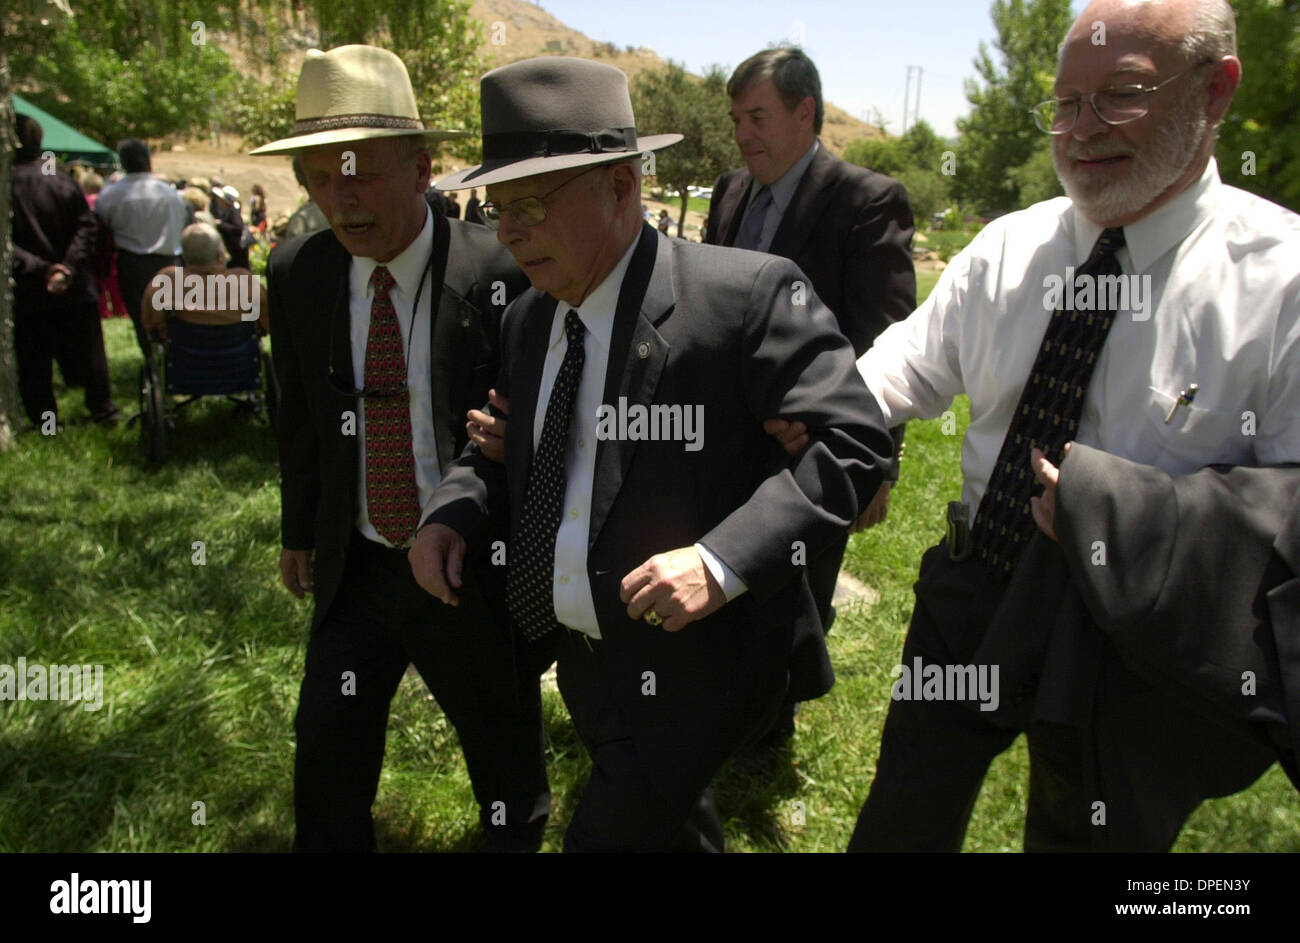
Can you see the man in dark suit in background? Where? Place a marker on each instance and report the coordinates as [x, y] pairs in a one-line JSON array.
[[848, 228], [56, 312], [665, 564], [472, 213], [384, 332]]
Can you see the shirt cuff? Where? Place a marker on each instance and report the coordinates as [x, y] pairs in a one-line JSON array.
[[732, 585]]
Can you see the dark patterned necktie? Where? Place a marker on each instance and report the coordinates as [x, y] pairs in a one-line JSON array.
[[392, 501], [530, 583], [1046, 417], [751, 229]]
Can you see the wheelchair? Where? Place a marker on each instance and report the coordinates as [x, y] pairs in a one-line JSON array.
[[199, 360]]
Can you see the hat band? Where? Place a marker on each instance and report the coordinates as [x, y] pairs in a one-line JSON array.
[[517, 145], [334, 122]]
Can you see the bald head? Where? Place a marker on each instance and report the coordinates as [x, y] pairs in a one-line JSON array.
[[1170, 63], [1192, 29], [201, 244]]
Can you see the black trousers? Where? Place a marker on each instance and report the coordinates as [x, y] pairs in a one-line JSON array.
[[934, 754], [134, 272], [381, 621], [622, 808], [73, 335]]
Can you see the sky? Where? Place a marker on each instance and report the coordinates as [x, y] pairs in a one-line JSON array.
[[862, 48]]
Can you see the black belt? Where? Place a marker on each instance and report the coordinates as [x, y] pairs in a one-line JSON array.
[[363, 544]]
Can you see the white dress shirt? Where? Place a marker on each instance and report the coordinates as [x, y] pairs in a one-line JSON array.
[[146, 214], [574, 605], [408, 269], [1224, 313], [782, 193]]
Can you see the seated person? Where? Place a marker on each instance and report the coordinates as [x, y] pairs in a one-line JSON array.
[[229, 295]]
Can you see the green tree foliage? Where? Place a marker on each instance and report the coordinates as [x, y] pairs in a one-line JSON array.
[[999, 136], [669, 100], [146, 68], [1261, 121], [438, 41], [883, 155], [122, 68], [916, 160]]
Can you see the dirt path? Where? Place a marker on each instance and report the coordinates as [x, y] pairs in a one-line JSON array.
[[238, 170]]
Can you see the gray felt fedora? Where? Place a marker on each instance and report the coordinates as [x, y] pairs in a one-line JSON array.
[[552, 113]]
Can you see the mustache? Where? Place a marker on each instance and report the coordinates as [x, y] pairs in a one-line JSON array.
[[1079, 151], [351, 219]]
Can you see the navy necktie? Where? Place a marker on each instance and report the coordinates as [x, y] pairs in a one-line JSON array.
[[1046, 417], [530, 587]]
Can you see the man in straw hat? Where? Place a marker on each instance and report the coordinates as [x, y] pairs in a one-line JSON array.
[[658, 535], [384, 331]]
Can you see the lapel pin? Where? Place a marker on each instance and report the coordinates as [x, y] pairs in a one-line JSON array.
[[643, 350]]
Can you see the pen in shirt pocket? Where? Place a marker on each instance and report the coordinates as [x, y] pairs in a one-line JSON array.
[[1184, 399]]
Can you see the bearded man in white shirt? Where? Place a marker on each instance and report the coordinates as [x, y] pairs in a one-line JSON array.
[[1198, 285]]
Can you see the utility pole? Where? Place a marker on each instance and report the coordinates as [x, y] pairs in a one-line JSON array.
[[908, 107], [907, 97]]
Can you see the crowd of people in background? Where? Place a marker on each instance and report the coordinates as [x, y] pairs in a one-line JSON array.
[[798, 322]]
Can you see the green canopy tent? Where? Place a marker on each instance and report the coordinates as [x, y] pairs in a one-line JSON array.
[[65, 140]]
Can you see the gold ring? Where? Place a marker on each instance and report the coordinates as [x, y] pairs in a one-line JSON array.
[[653, 618]]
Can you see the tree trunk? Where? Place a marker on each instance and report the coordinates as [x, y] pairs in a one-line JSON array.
[[10, 410], [681, 217]]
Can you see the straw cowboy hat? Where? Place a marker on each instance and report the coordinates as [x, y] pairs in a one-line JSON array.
[[227, 193], [353, 93], [551, 113]]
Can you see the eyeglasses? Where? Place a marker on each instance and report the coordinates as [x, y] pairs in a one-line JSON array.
[[1118, 105], [528, 211]]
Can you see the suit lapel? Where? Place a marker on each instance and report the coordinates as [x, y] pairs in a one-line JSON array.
[[637, 353], [443, 335], [525, 384], [810, 200], [1287, 543], [732, 207], [332, 295]]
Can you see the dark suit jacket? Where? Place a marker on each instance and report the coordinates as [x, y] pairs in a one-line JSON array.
[[308, 291], [51, 223], [849, 229], [1199, 589], [701, 325], [1196, 589]]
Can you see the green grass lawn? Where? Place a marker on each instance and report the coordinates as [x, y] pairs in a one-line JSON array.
[[694, 204], [202, 665], [946, 242]]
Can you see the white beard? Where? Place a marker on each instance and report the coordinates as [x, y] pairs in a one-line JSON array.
[[1166, 158]]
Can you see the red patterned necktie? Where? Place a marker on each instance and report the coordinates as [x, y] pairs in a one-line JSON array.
[[392, 501]]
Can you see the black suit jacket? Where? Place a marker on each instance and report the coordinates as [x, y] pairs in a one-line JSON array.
[[849, 229], [1200, 593], [51, 223], [308, 296], [717, 327], [1193, 591]]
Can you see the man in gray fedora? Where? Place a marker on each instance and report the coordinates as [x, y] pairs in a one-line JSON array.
[[658, 536], [384, 330]]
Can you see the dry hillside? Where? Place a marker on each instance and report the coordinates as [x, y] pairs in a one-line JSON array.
[[519, 29], [531, 31]]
